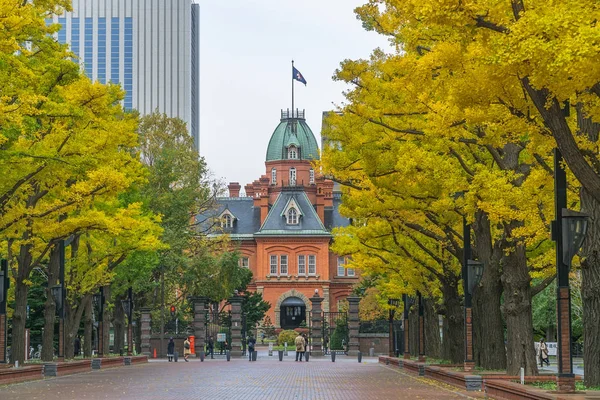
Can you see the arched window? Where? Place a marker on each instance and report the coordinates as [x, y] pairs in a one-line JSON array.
[[292, 176], [311, 176], [273, 176], [292, 216], [227, 221], [292, 153]]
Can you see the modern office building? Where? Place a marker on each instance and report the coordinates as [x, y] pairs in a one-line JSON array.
[[150, 47]]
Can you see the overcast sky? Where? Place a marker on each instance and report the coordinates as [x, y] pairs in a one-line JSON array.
[[246, 48]]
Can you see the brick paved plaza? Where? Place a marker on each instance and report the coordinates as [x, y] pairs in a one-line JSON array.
[[217, 379]]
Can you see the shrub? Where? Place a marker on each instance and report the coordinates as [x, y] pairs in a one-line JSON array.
[[287, 336]]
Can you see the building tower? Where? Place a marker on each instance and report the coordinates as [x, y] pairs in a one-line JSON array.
[[150, 47]]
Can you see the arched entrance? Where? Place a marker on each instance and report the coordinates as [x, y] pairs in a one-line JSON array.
[[292, 312]]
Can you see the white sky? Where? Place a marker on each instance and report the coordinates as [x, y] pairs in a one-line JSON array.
[[246, 48]]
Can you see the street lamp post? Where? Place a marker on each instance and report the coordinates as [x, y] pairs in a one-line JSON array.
[[471, 279], [59, 293], [393, 303], [128, 308], [408, 302], [4, 284], [421, 328], [99, 303], [568, 231]]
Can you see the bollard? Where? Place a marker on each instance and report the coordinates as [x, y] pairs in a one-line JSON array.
[[306, 354], [372, 352], [201, 356], [333, 356], [359, 357], [280, 355], [254, 355], [228, 355]]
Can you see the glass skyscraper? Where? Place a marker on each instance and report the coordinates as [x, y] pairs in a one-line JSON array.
[[150, 47]]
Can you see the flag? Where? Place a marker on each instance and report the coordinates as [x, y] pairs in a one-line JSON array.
[[297, 75]]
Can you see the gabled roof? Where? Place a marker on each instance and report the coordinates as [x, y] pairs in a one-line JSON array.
[[276, 224], [291, 203], [247, 218]]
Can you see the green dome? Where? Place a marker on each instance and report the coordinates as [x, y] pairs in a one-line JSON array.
[[283, 137]]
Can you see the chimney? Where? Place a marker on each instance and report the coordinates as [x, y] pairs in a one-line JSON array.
[[249, 190], [264, 206], [321, 203], [234, 189]]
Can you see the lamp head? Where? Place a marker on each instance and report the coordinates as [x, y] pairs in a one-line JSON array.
[[574, 229], [475, 272]]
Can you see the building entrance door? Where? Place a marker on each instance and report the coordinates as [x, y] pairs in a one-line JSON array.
[[292, 312]]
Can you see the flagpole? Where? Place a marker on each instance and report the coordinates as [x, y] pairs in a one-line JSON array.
[[292, 88]]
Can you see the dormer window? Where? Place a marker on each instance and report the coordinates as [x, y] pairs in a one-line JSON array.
[[311, 176], [292, 216], [273, 176], [227, 219], [292, 153], [292, 176]]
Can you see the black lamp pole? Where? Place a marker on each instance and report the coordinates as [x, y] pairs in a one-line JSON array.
[[62, 300], [469, 363], [100, 301], [565, 378], [405, 300], [421, 328], [393, 303], [4, 284]]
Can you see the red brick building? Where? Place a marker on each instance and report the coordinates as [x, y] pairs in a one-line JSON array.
[[283, 225]]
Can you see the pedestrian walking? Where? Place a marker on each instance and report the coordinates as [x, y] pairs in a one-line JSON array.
[[170, 350], [300, 346], [186, 349], [211, 347], [251, 344], [544, 353], [76, 346]]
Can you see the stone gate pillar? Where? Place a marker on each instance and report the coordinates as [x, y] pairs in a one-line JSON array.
[[353, 325], [317, 325], [146, 320], [236, 325], [199, 324]]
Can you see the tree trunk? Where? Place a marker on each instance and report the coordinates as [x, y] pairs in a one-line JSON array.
[[73, 322], [18, 323], [433, 342], [488, 326], [49, 324], [517, 311], [590, 291], [453, 348], [119, 326], [50, 307], [413, 330], [87, 330]]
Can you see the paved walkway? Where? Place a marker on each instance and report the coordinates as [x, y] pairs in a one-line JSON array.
[[239, 379]]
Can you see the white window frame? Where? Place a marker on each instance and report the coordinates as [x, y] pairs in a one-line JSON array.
[[273, 176], [302, 264], [283, 264], [227, 221], [292, 176], [340, 266], [312, 264], [273, 265], [292, 216], [292, 153], [350, 272], [311, 176], [245, 262]]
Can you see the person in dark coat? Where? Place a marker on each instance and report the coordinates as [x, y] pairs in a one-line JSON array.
[[211, 347], [76, 346], [170, 349], [251, 344]]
